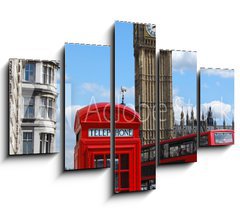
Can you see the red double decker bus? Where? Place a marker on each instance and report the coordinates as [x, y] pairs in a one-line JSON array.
[[148, 170], [178, 150], [221, 137]]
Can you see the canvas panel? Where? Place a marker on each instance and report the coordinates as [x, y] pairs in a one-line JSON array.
[[34, 98], [216, 107], [177, 106], [135, 100], [87, 106]]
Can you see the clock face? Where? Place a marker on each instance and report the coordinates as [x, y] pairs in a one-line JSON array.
[[151, 29]]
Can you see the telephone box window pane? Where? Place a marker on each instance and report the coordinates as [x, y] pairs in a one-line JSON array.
[[99, 161], [108, 160], [124, 161], [124, 180]]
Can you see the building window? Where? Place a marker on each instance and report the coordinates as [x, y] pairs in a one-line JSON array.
[[44, 107], [27, 142], [47, 107], [50, 108], [45, 74], [29, 72], [28, 107], [48, 75], [46, 140]]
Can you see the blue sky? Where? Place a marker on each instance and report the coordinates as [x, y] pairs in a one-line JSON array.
[[87, 80], [217, 91], [184, 75], [124, 61]]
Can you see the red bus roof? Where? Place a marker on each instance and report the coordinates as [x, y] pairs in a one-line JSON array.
[[216, 131], [178, 138], [148, 145]]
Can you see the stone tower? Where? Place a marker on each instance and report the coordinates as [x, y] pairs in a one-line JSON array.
[[165, 95], [210, 117], [145, 79]]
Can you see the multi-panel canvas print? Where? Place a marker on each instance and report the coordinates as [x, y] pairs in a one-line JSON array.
[[141, 114], [177, 106], [34, 89], [87, 106], [135, 100], [217, 107]]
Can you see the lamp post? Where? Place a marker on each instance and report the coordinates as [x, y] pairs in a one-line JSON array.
[[123, 90]]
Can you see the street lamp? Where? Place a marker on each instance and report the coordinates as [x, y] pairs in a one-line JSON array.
[[123, 90]]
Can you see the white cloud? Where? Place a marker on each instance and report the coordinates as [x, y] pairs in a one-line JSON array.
[[180, 104], [220, 110], [184, 60], [224, 73], [95, 88], [70, 112]]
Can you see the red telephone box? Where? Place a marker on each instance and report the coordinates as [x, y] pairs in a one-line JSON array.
[[92, 149]]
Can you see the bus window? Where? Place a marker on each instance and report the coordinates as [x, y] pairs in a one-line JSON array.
[[165, 151], [223, 137], [152, 154], [174, 151], [145, 155], [204, 140], [187, 148]]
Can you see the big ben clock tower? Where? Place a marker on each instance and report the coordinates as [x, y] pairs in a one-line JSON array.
[[145, 79]]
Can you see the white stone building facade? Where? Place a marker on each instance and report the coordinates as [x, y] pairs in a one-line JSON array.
[[32, 103]]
